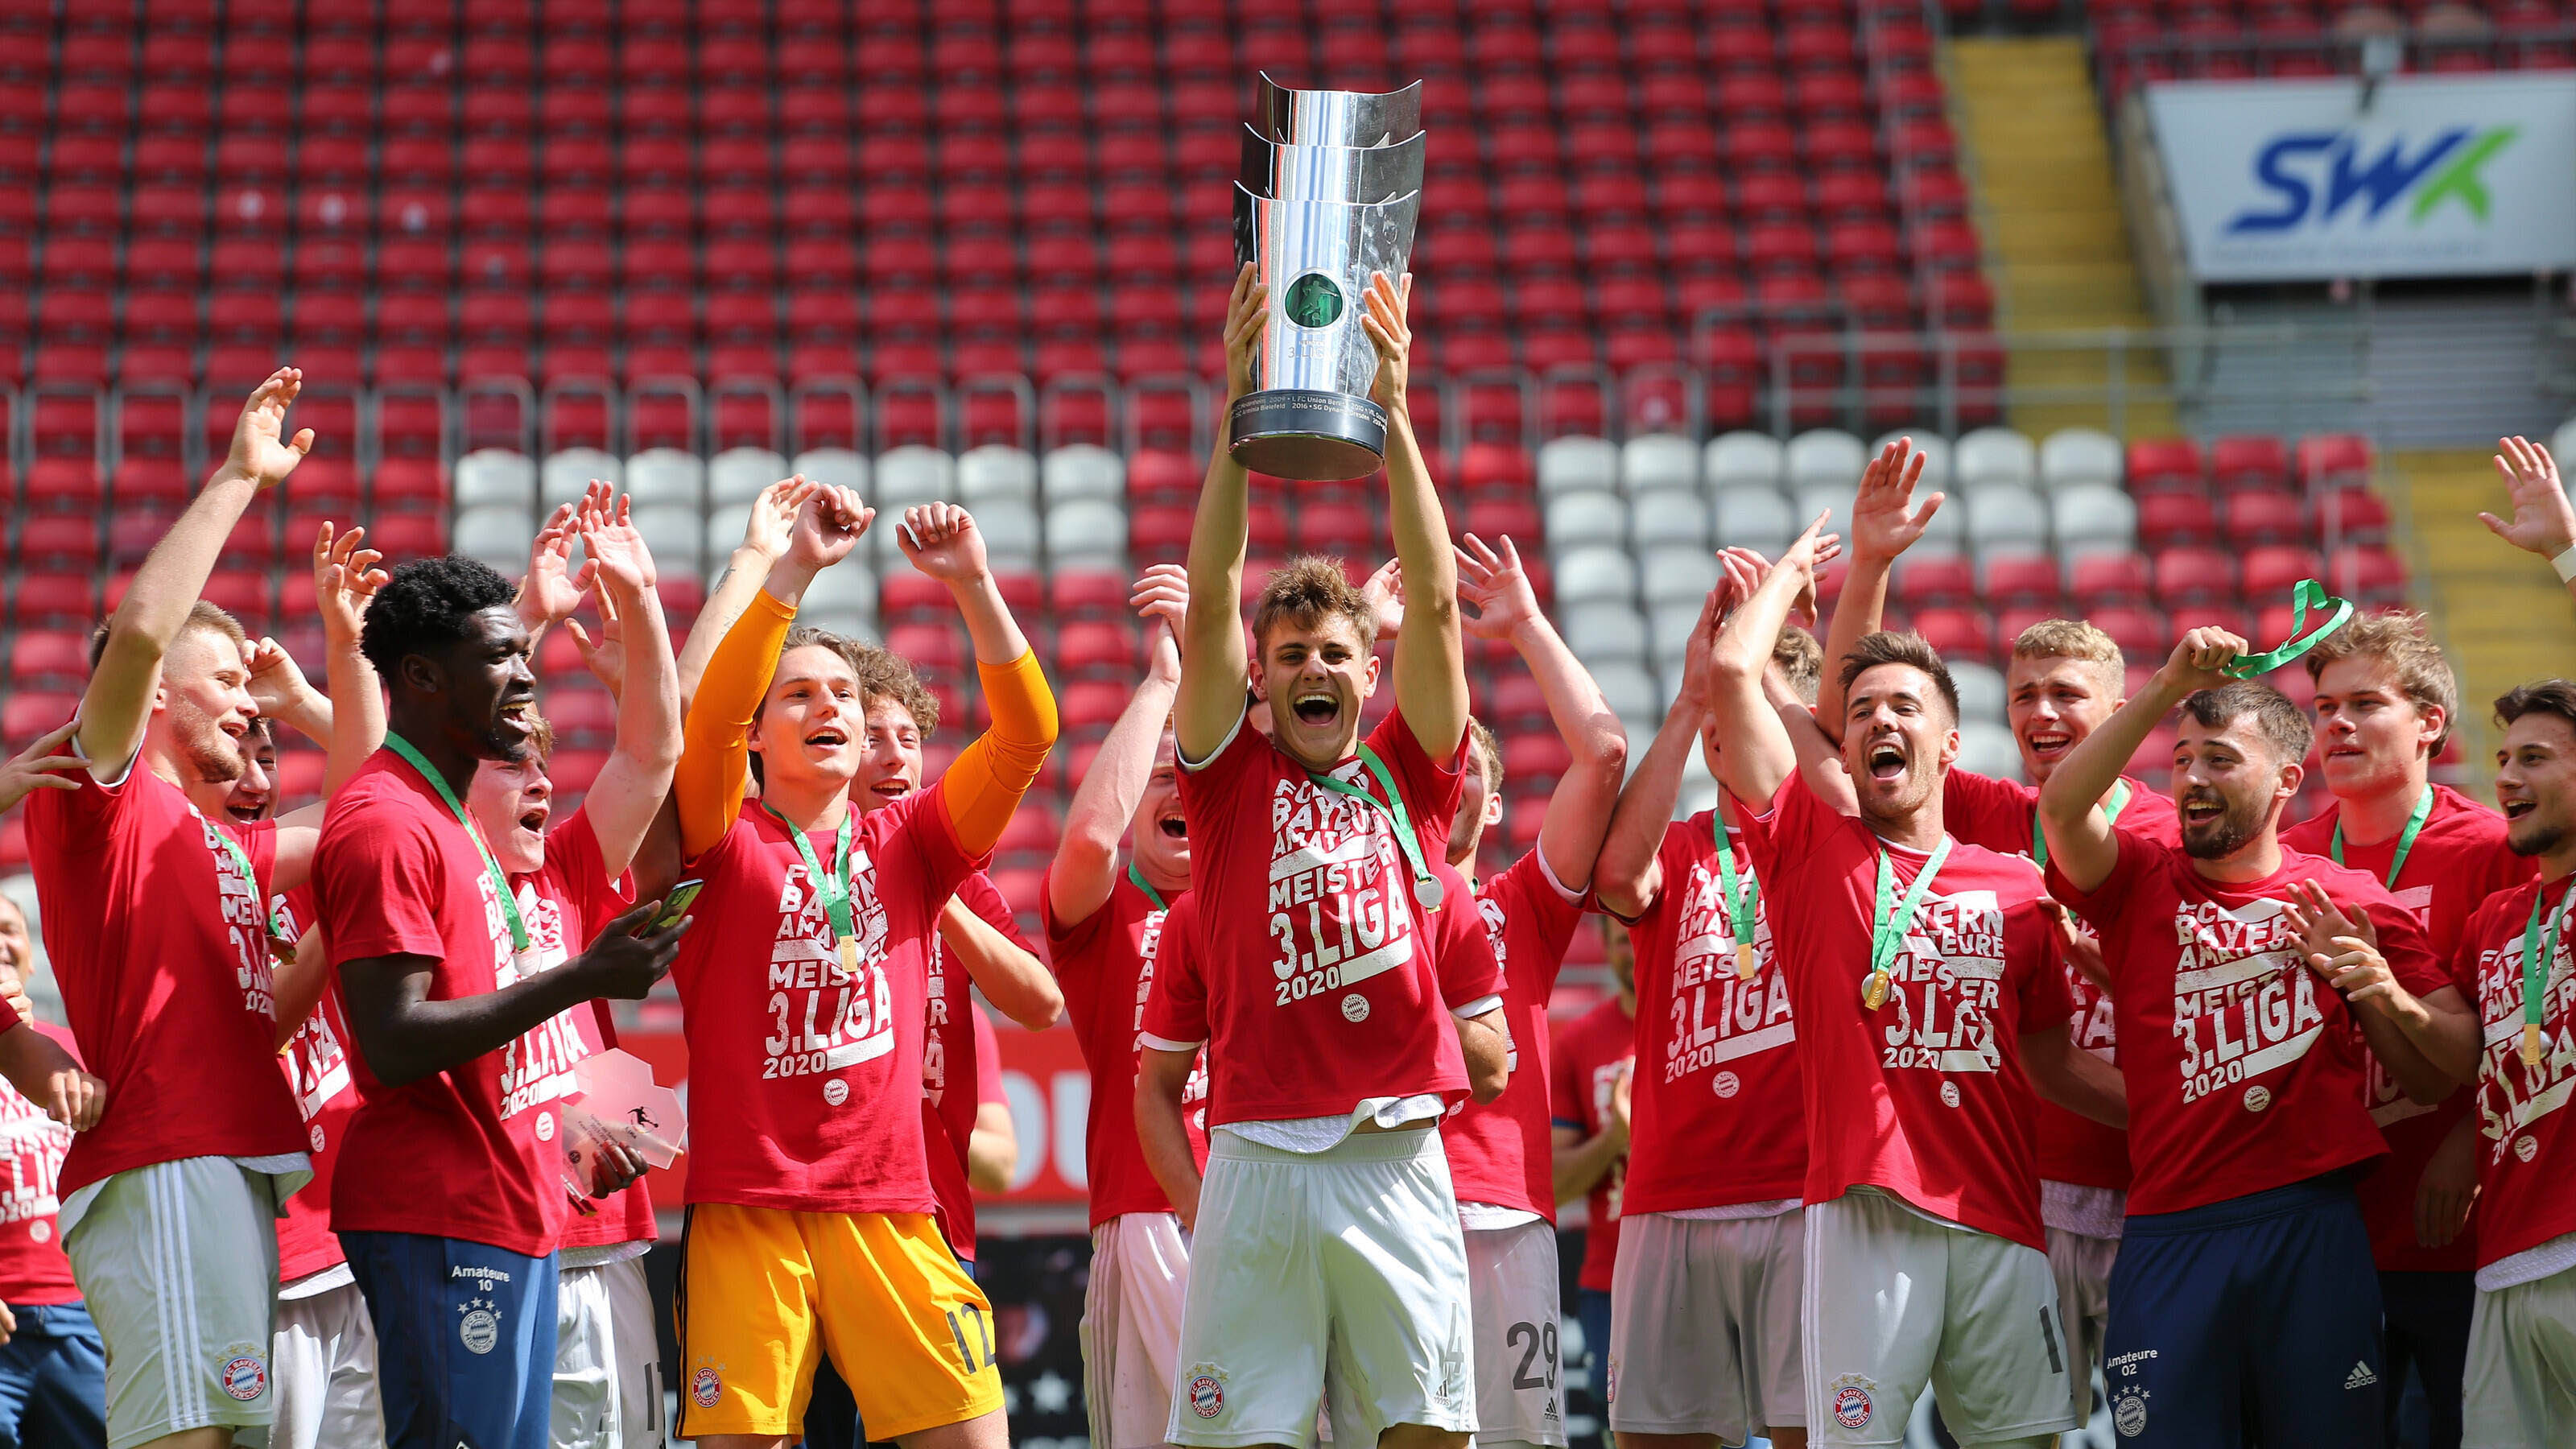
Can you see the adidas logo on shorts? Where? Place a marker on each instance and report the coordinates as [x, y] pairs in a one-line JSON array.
[[2360, 1378]]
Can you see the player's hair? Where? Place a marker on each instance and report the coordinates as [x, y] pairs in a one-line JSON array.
[[424, 607], [2283, 725], [1909, 649], [1801, 660], [2541, 696], [541, 738], [2398, 641], [1490, 750], [263, 731], [881, 674], [201, 615], [2078, 640], [1307, 590]]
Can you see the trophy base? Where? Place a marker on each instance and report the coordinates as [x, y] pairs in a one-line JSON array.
[[1306, 436]]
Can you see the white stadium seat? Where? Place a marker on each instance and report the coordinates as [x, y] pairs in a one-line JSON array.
[[564, 475], [1630, 693], [1825, 455], [2080, 455], [833, 468], [1677, 574], [1091, 532], [1597, 574], [1010, 529], [495, 475], [1658, 460], [2095, 518], [1814, 498], [996, 470], [1600, 633], [1083, 470], [846, 589], [666, 475], [674, 532], [1757, 519], [724, 532], [914, 474], [1938, 456], [1981, 690], [1995, 455], [2004, 518], [1986, 748], [498, 534], [1591, 516], [737, 475], [1668, 631], [1742, 460], [1667, 515], [1570, 464]]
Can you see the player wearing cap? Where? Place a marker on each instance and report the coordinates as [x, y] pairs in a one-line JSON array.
[[1327, 1217], [1500, 1152], [1106, 924], [450, 1191], [568, 880], [2239, 970], [2386, 700], [1928, 1009], [811, 1225], [1703, 1340], [1588, 1096]]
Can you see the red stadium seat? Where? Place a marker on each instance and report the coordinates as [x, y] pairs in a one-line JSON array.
[[2249, 464], [2161, 465], [2194, 576], [2261, 518], [2169, 520]]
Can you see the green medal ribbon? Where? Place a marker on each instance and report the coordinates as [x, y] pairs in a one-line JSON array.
[[278, 940], [1890, 921], [834, 886], [500, 881], [1136, 878], [2405, 842], [1426, 886], [2112, 805], [2308, 594], [1743, 899], [2538, 954]]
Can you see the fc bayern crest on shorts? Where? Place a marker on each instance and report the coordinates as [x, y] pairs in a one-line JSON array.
[[1206, 1391], [1851, 1401], [245, 1372], [705, 1388], [2129, 1413]]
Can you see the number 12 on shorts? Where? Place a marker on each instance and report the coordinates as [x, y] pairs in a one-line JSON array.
[[983, 1335]]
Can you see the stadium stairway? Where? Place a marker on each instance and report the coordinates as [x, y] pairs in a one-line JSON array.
[[2501, 615], [2040, 172]]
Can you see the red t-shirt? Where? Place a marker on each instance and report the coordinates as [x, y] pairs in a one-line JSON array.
[[1316, 990], [2523, 1199], [1925, 1097], [1500, 1151], [2000, 815], [33, 1269], [161, 949], [954, 1083], [448, 1155], [2459, 860], [566, 902], [2244, 1068], [1716, 1115], [815, 1074], [1106, 963], [316, 1063], [1589, 1052]]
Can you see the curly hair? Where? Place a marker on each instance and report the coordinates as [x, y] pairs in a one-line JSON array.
[[882, 674], [425, 607]]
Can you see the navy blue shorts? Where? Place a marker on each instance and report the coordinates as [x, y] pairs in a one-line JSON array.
[[2255, 1315], [465, 1340], [53, 1380]]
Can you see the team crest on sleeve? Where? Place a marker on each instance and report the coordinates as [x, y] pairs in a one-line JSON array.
[[245, 1372], [1207, 1391], [1851, 1403]]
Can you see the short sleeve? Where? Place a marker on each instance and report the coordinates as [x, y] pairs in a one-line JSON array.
[[1532, 890], [1786, 827], [1430, 787], [1983, 810], [580, 875], [991, 907], [2403, 945], [1212, 789], [1176, 1008], [1463, 953], [926, 831], [988, 1061], [2102, 906], [1067, 941], [377, 880], [79, 820]]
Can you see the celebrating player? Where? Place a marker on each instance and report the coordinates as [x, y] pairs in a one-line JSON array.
[[1588, 1096], [2064, 679], [1918, 1067], [1711, 1242], [2235, 1287], [1105, 927], [811, 1227], [53, 1369], [449, 1195], [1327, 1215]]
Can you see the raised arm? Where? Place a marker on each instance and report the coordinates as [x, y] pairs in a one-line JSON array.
[[1214, 672], [118, 702], [1578, 813], [2081, 844], [1430, 656], [1086, 859], [985, 784], [1885, 522], [631, 785], [1630, 875], [345, 579], [765, 536], [1015, 981], [2543, 522], [1759, 755], [550, 592]]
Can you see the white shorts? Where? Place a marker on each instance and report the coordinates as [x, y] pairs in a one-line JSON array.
[[1339, 1272], [1895, 1300], [608, 1364], [1704, 1325], [1516, 1301], [2520, 1389], [2082, 1268], [324, 1347], [1131, 1328], [178, 1262]]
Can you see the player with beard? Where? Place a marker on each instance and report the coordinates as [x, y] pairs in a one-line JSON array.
[[1591, 1068], [1106, 924], [1328, 1221], [811, 1226], [1711, 1242], [1928, 1009], [2386, 700], [568, 879], [1501, 1152], [2234, 1303], [449, 1197], [2065, 677]]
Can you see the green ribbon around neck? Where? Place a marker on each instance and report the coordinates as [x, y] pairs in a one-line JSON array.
[[2112, 805], [1136, 878], [500, 881], [833, 885], [1890, 920], [2405, 842], [1426, 886]]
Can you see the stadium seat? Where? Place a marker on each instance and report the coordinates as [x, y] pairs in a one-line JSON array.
[[996, 471], [2005, 517], [1568, 465], [1082, 470], [1604, 632], [1757, 519], [1676, 574], [1658, 460], [834, 467], [1824, 456], [1575, 519], [1596, 574], [565, 473], [737, 475], [1743, 460], [1667, 516], [495, 476], [2093, 518], [2079, 455], [914, 474], [666, 476], [1939, 465], [1996, 455]]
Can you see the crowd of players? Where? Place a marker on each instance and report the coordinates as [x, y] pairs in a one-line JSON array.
[[1914, 1077]]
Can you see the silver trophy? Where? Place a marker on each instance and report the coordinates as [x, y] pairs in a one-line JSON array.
[[1331, 186]]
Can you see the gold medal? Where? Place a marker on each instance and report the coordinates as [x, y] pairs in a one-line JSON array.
[[1747, 963], [850, 954], [2530, 1045], [1873, 993]]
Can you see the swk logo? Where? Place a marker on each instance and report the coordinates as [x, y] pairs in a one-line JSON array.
[[2316, 178]]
